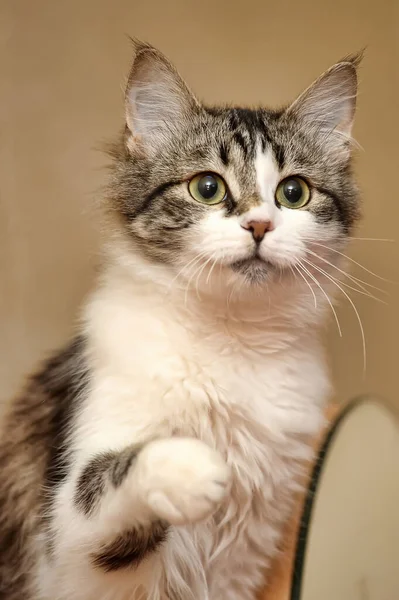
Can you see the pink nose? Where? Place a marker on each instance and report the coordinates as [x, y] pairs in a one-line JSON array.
[[258, 228]]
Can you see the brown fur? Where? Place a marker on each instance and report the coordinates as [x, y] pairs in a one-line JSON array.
[[32, 436]]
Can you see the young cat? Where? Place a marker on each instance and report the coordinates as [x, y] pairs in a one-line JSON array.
[[156, 457]]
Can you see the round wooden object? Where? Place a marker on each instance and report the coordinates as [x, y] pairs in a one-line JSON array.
[[343, 540]]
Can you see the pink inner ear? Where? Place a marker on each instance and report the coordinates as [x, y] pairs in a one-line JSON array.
[[156, 97], [330, 102]]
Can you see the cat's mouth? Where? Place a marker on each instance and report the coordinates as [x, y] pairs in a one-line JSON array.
[[255, 269]]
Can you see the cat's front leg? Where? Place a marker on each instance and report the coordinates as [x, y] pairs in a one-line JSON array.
[[176, 480], [117, 509]]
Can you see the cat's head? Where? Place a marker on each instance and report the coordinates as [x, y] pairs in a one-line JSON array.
[[242, 194]]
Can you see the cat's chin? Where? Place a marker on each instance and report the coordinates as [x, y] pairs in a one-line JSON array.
[[255, 270]]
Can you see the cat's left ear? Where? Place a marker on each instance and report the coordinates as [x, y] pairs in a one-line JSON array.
[[328, 105], [157, 100]]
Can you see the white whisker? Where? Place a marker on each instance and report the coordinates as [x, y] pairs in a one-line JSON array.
[[200, 271], [367, 294], [236, 284], [367, 239], [307, 283], [199, 258], [352, 304], [351, 278], [325, 294], [354, 262], [193, 260], [211, 269]]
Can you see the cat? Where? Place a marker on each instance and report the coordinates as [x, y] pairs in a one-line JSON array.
[[157, 456]]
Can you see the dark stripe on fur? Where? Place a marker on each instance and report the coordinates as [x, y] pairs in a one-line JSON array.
[[253, 121], [342, 214], [240, 141], [33, 461], [130, 548], [92, 483], [177, 227], [232, 120], [249, 119], [279, 153], [265, 138], [249, 128], [230, 205], [102, 469], [64, 379], [158, 191], [224, 153], [122, 465]]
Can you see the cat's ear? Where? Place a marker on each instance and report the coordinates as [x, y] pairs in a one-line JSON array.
[[328, 105], [157, 100]]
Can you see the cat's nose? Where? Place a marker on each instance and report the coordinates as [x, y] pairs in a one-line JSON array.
[[258, 228]]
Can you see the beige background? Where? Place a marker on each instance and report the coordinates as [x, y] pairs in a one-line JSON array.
[[63, 63]]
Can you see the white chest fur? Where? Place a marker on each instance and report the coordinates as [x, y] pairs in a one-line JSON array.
[[250, 385]]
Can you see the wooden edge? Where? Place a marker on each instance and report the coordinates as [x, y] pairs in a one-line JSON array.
[[280, 577]]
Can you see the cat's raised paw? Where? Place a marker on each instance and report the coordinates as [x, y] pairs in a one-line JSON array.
[[182, 480]]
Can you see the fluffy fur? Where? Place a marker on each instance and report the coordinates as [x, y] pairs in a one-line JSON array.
[[157, 456]]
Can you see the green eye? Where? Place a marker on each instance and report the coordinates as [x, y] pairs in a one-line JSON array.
[[293, 192], [207, 188]]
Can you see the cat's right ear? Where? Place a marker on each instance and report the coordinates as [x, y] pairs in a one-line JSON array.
[[157, 100]]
